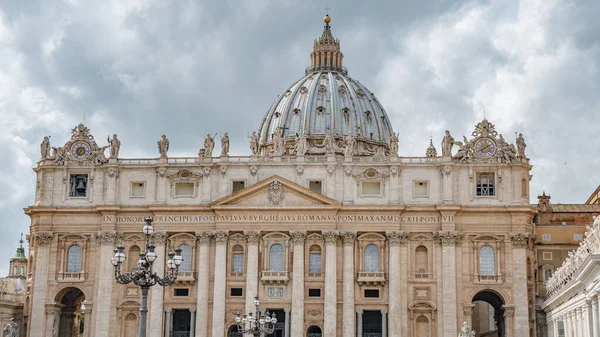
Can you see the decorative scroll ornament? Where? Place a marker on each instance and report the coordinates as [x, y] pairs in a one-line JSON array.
[[221, 236], [161, 172], [253, 237], [486, 146], [300, 169], [105, 237], [43, 238], [397, 237], [330, 169], [446, 170], [223, 170], [275, 192], [331, 236], [113, 172], [253, 170], [204, 237], [348, 238], [206, 171], [348, 171], [81, 149], [159, 237], [449, 238], [298, 237], [519, 240]]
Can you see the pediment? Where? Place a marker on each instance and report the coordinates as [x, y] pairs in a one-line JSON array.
[[275, 192]]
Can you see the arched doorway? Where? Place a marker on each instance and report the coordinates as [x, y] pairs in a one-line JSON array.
[[72, 313], [313, 331], [488, 314], [233, 331]]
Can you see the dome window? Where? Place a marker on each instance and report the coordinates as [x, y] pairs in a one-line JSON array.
[[322, 89], [303, 90], [360, 93], [277, 114], [368, 115], [320, 110], [287, 93], [342, 89], [296, 111]]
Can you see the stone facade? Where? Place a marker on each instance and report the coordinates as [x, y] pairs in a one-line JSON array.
[[337, 238]]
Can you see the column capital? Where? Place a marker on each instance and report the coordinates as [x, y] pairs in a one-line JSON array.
[[253, 237], [519, 240], [298, 237], [397, 238], [160, 237], [330, 236], [359, 311], [192, 310], [468, 309], [348, 238], [204, 237], [509, 310], [168, 310], [105, 237], [384, 311], [221, 237], [448, 238], [43, 238], [287, 310]]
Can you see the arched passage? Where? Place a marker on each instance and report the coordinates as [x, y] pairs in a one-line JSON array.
[[233, 331], [488, 313], [314, 331], [72, 314]]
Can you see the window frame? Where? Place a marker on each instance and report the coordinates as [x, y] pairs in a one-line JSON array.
[[496, 243], [88, 185], [76, 266], [421, 181], [66, 242], [177, 240], [494, 186], [321, 182], [143, 196], [233, 181]]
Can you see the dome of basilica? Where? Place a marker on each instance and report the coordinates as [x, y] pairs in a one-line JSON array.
[[326, 104]]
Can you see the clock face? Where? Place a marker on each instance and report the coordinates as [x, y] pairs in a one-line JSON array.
[[80, 150], [485, 147]]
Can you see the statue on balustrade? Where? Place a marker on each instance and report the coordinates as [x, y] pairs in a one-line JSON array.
[[254, 143], [11, 329], [447, 143], [225, 145], [115, 146], [163, 146], [301, 145], [45, 148], [209, 145], [521, 146], [394, 144], [350, 145], [329, 143]]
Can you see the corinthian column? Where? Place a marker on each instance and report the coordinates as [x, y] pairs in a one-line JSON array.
[[218, 322], [449, 240], [203, 283], [298, 284], [156, 293], [105, 280], [253, 239], [395, 238], [348, 314], [41, 243], [595, 316], [330, 284], [519, 256]]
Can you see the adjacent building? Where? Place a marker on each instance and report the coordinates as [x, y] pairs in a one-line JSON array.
[[12, 290], [336, 233]]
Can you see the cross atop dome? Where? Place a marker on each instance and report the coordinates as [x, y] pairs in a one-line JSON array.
[[326, 53]]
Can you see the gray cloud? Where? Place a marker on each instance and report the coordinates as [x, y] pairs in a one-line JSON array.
[[185, 68]]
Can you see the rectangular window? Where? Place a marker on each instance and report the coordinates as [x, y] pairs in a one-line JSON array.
[[421, 189], [315, 186], [184, 189], [236, 291], [547, 256], [238, 263], [314, 292], [137, 190], [373, 293], [78, 185], [546, 237], [371, 188], [486, 185], [237, 185], [182, 292], [547, 274], [315, 263], [578, 237], [561, 329]]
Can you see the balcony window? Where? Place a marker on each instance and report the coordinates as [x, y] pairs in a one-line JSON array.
[[186, 253], [74, 259], [486, 262], [371, 258], [276, 258]]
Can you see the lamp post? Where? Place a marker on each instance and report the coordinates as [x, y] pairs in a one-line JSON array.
[[143, 276], [256, 324]]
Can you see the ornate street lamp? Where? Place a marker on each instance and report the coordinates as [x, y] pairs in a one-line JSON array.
[[143, 276], [256, 324]]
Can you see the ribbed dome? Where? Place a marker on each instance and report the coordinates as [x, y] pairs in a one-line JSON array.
[[324, 101]]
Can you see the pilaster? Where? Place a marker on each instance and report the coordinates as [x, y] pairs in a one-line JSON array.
[[298, 284], [203, 283], [155, 317], [104, 285], [330, 311], [396, 294], [252, 239], [42, 241], [348, 314], [449, 240], [218, 322], [520, 242]]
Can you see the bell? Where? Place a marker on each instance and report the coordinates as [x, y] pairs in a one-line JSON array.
[[80, 186]]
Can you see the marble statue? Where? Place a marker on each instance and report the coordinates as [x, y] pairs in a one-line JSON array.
[[11, 329], [99, 156], [225, 145], [466, 331], [115, 146], [59, 154], [254, 143], [447, 143], [278, 144], [209, 145], [394, 144], [329, 143], [45, 148], [301, 145], [507, 151], [521, 145], [163, 146], [350, 145]]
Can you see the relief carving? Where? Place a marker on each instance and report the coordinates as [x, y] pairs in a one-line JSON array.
[[449, 238], [297, 237], [204, 237], [159, 237], [105, 237], [519, 240], [275, 192], [221, 236], [43, 238], [330, 236], [397, 237], [253, 237]]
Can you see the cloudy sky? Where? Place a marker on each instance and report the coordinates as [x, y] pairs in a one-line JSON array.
[[140, 68]]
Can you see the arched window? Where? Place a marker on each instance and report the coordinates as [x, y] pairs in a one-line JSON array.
[[313, 331], [233, 331], [133, 257], [237, 260], [486, 261], [423, 327], [186, 253], [371, 258], [547, 274], [421, 262], [276, 258], [315, 259], [74, 259]]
